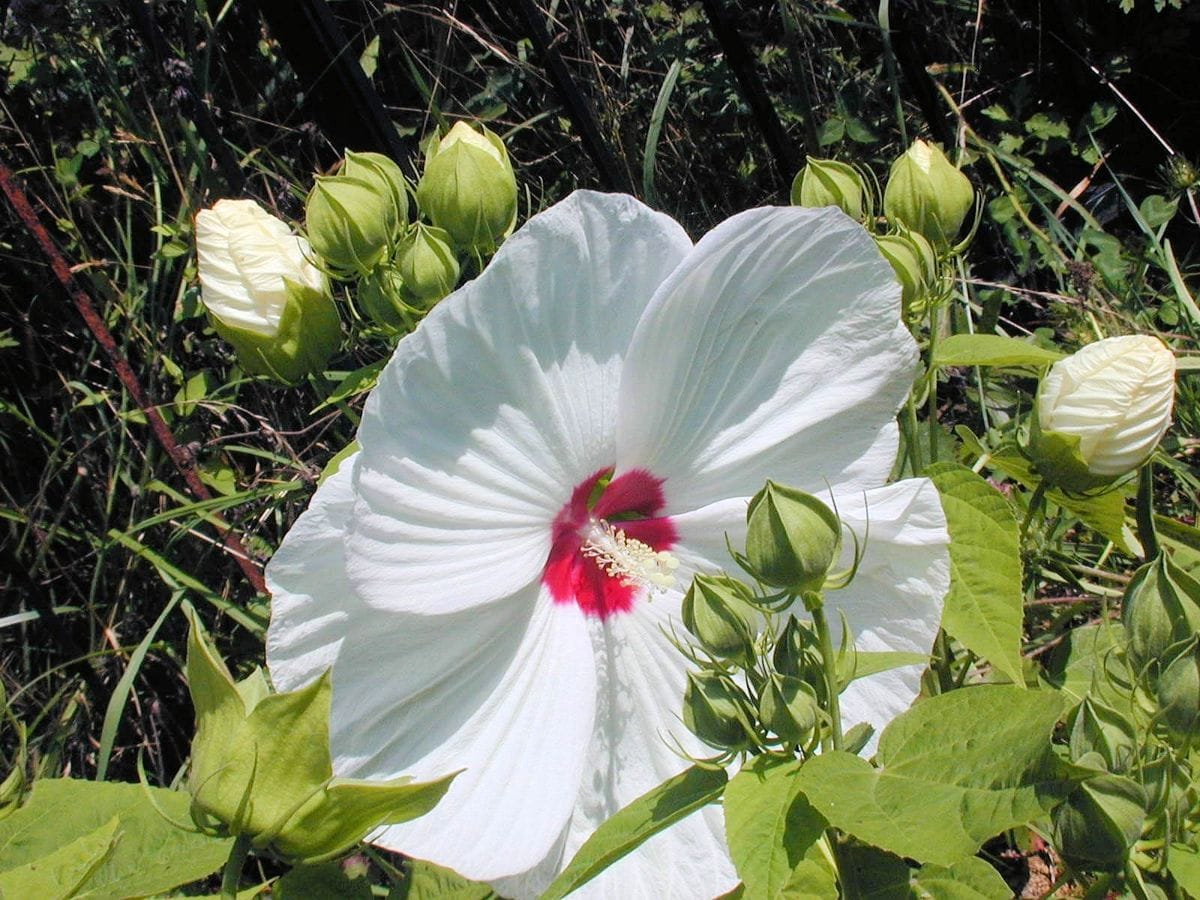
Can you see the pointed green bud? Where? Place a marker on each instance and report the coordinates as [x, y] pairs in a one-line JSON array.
[[1161, 608], [826, 182], [717, 712], [915, 264], [468, 188], [797, 652], [792, 538], [382, 298], [1098, 823], [717, 610], [261, 765], [263, 293], [384, 176], [427, 263], [788, 707], [925, 193], [1179, 693], [1096, 728], [351, 222]]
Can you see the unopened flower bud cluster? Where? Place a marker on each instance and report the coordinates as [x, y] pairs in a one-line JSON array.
[[268, 292], [761, 682]]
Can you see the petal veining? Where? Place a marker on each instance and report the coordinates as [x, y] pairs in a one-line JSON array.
[[776, 345], [501, 401]]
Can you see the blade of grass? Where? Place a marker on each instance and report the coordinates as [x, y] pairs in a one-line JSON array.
[[655, 131]]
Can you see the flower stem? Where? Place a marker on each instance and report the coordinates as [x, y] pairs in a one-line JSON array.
[[829, 664], [1036, 503], [231, 875], [1145, 512]]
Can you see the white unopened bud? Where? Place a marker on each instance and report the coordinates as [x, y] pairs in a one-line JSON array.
[[1114, 395]]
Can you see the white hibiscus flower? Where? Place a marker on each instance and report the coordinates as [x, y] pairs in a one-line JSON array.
[[602, 370]]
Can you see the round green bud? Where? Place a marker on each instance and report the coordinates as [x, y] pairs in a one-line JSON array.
[[718, 611], [468, 188], [717, 712], [1096, 728], [927, 194], [792, 538], [915, 264], [826, 182], [788, 707], [426, 262], [381, 297], [382, 173], [797, 652], [1160, 609], [351, 222], [1098, 823], [1179, 693]]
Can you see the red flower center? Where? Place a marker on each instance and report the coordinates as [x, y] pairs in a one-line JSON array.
[[626, 507]]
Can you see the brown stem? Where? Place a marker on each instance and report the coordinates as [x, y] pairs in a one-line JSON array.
[[179, 456]]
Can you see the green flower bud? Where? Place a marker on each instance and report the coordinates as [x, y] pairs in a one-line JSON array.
[[1179, 693], [797, 652], [262, 292], [261, 765], [717, 712], [1100, 729], [468, 188], [1098, 823], [382, 298], [788, 707], [925, 193], [792, 539], [351, 222], [427, 264], [915, 265], [826, 182], [1161, 608], [384, 176], [717, 610]]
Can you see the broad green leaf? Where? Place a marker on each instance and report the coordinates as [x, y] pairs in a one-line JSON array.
[[953, 771], [984, 607], [967, 879], [769, 825], [62, 872], [425, 881], [151, 856], [868, 873], [645, 817], [991, 350], [872, 662], [1184, 865], [326, 881], [813, 879]]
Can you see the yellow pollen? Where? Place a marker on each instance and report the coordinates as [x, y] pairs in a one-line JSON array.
[[626, 558]]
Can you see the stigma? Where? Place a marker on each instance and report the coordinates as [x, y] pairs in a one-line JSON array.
[[625, 558]]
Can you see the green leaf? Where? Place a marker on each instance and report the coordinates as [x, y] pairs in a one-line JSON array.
[[425, 881], [769, 825], [1078, 665], [1184, 865], [968, 879], [645, 817], [872, 662], [151, 856], [991, 350], [326, 881], [61, 872], [813, 879], [868, 873], [955, 770], [984, 606], [354, 383]]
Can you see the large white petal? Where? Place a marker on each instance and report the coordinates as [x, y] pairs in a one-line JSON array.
[[640, 685], [775, 346], [500, 403], [895, 601]]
